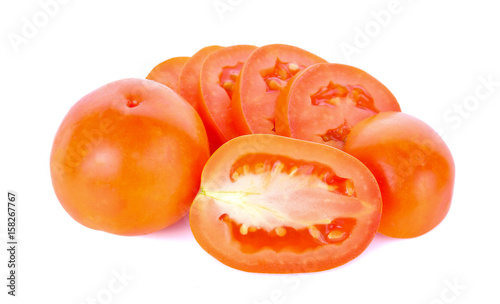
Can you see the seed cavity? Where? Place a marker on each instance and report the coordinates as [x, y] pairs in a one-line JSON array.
[[228, 77], [262, 163], [278, 76], [253, 239], [334, 94], [338, 134]]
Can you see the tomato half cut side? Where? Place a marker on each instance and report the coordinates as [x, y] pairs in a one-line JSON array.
[[218, 77], [189, 88], [263, 76], [273, 204], [168, 72], [326, 100]]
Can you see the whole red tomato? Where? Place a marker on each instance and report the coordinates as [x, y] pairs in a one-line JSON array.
[[127, 158], [413, 167]]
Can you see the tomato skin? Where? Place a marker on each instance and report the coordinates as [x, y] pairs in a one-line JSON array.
[[253, 104], [127, 158], [357, 96], [214, 236], [413, 166], [168, 72]]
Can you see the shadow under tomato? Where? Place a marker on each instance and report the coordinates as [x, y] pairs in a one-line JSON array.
[[177, 231], [380, 240]]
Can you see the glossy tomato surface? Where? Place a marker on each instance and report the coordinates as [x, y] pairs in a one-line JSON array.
[[218, 76], [168, 72], [324, 101], [279, 205], [127, 158], [263, 76], [414, 169]]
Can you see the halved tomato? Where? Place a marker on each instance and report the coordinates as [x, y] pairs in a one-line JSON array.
[[273, 204], [168, 72], [263, 76], [218, 76], [326, 100], [189, 89]]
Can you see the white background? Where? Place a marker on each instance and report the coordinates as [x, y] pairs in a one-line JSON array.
[[431, 55]]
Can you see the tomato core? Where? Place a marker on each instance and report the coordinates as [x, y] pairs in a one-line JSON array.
[[260, 163]]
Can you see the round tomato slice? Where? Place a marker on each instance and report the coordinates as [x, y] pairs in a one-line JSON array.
[[263, 76], [326, 100], [218, 76], [168, 72], [189, 88], [273, 204]]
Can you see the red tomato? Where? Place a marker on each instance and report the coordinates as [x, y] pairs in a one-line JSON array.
[[414, 169], [263, 76], [218, 76], [127, 158], [326, 100], [189, 88], [168, 72], [279, 205]]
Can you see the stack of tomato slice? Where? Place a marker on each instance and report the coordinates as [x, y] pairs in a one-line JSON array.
[[280, 194]]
